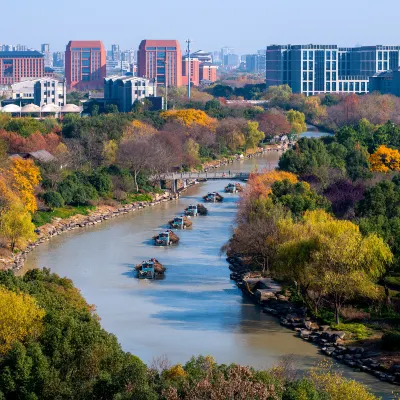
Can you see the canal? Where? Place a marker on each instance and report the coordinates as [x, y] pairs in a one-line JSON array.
[[196, 309]]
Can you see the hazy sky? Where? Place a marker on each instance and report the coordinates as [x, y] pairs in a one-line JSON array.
[[210, 24]]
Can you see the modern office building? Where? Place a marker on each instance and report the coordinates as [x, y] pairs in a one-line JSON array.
[[40, 92], [17, 65], [48, 55], [208, 73], [387, 82], [160, 60], [255, 63], [85, 64], [59, 59], [125, 90], [312, 69], [231, 60]]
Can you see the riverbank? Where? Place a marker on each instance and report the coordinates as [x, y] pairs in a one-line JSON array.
[[97, 216], [362, 356]]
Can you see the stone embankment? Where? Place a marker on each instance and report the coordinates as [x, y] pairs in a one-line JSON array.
[[331, 342], [60, 226]]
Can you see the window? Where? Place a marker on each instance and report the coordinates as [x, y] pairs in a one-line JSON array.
[[304, 55], [340, 87], [380, 66], [310, 88], [305, 65], [86, 54], [379, 55], [346, 86], [385, 55], [85, 63], [385, 65], [357, 86], [351, 86], [86, 49], [363, 86], [334, 76], [310, 55], [161, 48], [328, 87], [160, 63], [328, 76], [328, 55], [328, 65], [76, 49], [304, 86], [151, 48], [171, 48], [304, 76], [310, 65], [334, 86], [310, 76], [334, 65], [161, 54], [85, 78], [333, 55]]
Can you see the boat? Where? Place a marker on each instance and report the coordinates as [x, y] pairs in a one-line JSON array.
[[213, 197], [150, 269], [166, 238], [201, 209], [233, 188], [191, 211], [181, 222]]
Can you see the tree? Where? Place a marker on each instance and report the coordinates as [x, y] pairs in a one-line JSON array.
[[53, 199], [273, 123], [297, 121], [24, 176], [230, 133], [20, 318], [16, 226], [279, 95], [331, 258], [253, 135], [135, 155], [189, 118], [385, 160]]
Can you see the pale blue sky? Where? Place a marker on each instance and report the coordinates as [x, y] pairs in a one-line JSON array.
[[210, 24]]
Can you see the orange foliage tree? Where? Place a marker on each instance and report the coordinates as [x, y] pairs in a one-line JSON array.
[[37, 141], [385, 159], [189, 118], [24, 176]]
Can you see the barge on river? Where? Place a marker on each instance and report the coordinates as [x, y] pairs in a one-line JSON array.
[[182, 222], [166, 238], [233, 188], [213, 197], [150, 269], [191, 211]]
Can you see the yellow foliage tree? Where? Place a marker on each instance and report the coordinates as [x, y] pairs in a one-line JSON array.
[[110, 151], [24, 176], [20, 318], [174, 372], [7, 196], [297, 121], [189, 118], [16, 225], [385, 159]]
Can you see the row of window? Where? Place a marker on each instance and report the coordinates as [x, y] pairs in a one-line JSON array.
[[160, 48], [343, 86], [330, 55]]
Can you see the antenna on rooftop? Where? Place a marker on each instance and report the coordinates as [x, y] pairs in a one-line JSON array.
[[189, 71]]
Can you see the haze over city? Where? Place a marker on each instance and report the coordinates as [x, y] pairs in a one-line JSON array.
[[211, 24]]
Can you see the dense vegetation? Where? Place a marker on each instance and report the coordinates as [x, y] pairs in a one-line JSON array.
[[53, 347]]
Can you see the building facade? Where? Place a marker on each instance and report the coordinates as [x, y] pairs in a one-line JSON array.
[[160, 60], [387, 82], [85, 64], [312, 69], [17, 65], [194, 71], [40, 92], [208, 73], [125, 90], [255, 63], [48, 55]]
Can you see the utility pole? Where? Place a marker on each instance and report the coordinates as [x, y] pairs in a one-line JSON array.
[[189, 71], [166, 84]]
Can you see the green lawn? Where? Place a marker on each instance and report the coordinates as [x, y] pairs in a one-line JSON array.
[[44, 217]]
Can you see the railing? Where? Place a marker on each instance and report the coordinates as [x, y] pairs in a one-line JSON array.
[[206, 175]]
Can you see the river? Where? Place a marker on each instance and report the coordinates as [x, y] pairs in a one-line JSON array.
[[196, 309]]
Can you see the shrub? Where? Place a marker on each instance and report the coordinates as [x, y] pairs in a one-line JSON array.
[[53, 199], [391, 341], [353, 314], [359, 331]]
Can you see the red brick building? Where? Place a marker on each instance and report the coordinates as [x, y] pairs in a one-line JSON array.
[[17, 65], [85, 64], [208, 72], [161, 60], [194, 71]]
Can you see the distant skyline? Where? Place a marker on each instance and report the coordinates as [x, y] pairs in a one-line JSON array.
[[210, 24]]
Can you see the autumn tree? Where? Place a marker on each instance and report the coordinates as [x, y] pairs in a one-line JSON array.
[[253, 135], [189, 118], [230, 133], [297, 121], [385, 159], [331, 258], [20, 318], [273, 123]]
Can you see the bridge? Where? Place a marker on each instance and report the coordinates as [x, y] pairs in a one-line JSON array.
[[206, 175]]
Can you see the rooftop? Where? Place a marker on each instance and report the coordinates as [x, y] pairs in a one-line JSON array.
[[21, 54]]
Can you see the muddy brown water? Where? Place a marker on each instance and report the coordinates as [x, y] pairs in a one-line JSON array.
[[196, 309]]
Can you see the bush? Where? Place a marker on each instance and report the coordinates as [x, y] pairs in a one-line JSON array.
[[391, 341], [359, 331], [101, 182], [353, 314], [53, 199]]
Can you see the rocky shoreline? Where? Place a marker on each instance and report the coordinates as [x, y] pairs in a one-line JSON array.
[[267, 294]]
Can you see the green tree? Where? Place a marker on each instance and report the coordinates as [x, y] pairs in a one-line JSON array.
[[253, 135], [297, 120]]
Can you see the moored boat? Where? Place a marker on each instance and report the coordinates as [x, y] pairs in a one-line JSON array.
[[233, 188], [191, 210], [166, 238]]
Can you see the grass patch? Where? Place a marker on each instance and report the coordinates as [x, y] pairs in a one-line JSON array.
[[358, 331], [45, 217], [138, 197]]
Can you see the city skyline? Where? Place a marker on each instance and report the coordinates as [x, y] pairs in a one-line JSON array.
[[278, 24]]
